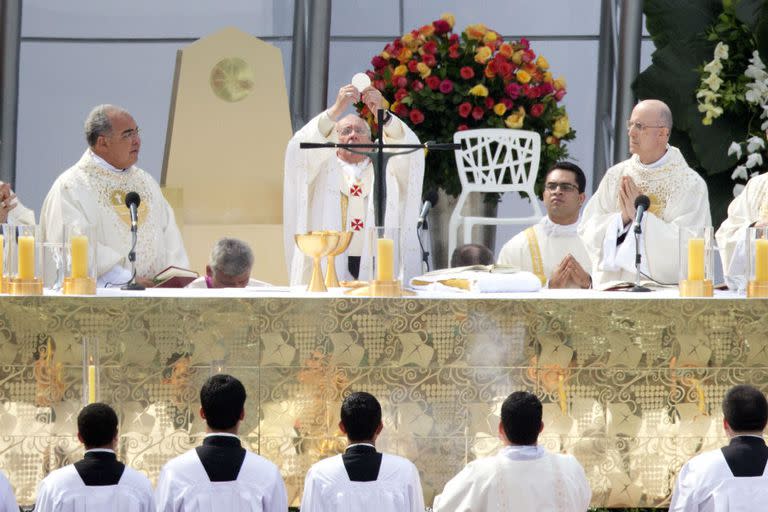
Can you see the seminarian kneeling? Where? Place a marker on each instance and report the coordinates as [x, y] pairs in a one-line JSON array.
[[98, 481], [221, 474], [362, 478]]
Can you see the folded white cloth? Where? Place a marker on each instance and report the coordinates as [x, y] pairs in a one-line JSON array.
[[477, 281]]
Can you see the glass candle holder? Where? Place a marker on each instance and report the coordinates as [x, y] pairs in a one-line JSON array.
[[757, 262], [5, 237], [26, 261], [697, 261], [80, 248]]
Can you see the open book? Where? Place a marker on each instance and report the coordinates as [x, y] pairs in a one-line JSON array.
[[174, 277]]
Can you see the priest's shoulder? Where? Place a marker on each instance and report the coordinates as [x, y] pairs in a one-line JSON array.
[[262, 464], [706, 460], [135, 480], [327, 469]]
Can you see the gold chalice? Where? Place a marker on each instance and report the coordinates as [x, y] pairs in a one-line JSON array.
[[331, 280], [317, 245]]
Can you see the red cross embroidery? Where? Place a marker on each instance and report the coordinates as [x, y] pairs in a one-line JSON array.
[[355, 190], [357, 224]]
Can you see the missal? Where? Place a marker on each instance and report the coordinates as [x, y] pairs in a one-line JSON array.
[[174, 277]]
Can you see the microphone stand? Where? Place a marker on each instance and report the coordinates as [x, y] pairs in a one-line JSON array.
[[637, 287], [424, 252], [132, 284]]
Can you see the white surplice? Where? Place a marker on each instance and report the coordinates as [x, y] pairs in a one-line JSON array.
[[64, 491], [7, 498], [678, 199], [184, 486], [555, 242], [328, 488], [92, 193], [518, 478], [21, 215], [312, 198], [748, 207]]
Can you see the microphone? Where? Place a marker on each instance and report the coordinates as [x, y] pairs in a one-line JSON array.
[[430, 200], [132, 201], [642, 203]]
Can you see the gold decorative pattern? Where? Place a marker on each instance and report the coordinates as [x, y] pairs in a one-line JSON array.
[[232, 79], [632, 388]]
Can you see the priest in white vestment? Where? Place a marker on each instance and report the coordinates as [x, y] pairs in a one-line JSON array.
[[11, 209], [328, 189], [98, 481], [523, 475], [733, 478], [362, 478], [552, 249], [678, 197], [93, 191], [221, 474], [229, 266], [7, 499]]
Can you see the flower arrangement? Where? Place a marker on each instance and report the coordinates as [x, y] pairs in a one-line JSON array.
[[441, 82]]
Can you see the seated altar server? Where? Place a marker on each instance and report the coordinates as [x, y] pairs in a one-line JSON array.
[[677, 193], [98, 481], [734, 477], [221, 474], [552, 249], [7, 499], [92, 192], [328, 189], [362, 478], [229, 267], [522, 476], [471, 254]]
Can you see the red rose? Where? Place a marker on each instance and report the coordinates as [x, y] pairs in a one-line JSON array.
[[400, 94], [454, 38], [429, 60], [379, 84], [400, 81], [430, 47], [534, 92], [489, 102], [412, 66], [559, 94], [546, 88], [417, 85], [433, 82], [537, 109], [477, 113], [513, 90], [526, 90], [467, 72], [453, 51], [446, 86], [524, 43], [401, 110], [462, 127], [378, 62], [507, 103], [529, 56], [464, 109], [503, 68], [441, 26], [416, 116]]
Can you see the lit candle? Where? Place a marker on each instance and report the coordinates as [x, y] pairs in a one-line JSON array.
[[79, 256], [26, 268], [696, 259], [91, 381], [385, 253], [761, 260]]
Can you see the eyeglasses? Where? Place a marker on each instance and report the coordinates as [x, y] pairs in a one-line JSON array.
[[347, 130], [130, 134], [640, 126], [565, 187]]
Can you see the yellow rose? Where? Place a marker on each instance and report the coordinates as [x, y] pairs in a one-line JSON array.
[[408, 39], [483, 54], [499, 109], [542, 62], [515, 120], [385, 55], [450, 18], [423, 70], [559, 83], [476, 31], [523, 77], [561, 127], [517, 57], [479, 90], [548, 77], [489, 37], [401, 70]]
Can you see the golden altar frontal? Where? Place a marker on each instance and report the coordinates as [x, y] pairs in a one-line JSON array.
[[632, 388]]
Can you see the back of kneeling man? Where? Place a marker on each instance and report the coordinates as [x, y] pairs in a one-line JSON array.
[[221, 474], [522, 476], [362, 478]]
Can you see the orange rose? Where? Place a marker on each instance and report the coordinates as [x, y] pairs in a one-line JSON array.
[[483, 54], [476, 31], [515, 120], [523, 77], [427, 30], [506, 50], [405, 55]]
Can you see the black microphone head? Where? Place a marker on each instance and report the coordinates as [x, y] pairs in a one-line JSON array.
[[642, 200], [431, 196], [132, 198]]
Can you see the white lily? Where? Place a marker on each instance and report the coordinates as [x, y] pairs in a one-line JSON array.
[[714, 67], [740, 172], [713, 81], [753, 160], [737, 188], [755, 143], [735, 149], [721, 50]]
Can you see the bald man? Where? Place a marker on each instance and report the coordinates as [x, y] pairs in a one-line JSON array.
[[332, 189], [678, 197]]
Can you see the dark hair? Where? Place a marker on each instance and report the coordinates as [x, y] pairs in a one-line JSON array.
[[745, 409], [581, 179], [361, 416], [97, 425], [521, 417], [471, 254], [222, 398]]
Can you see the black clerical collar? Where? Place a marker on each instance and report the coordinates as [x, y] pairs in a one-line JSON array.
[[750, 439], [221, 439], [100, 454], [361, 448]]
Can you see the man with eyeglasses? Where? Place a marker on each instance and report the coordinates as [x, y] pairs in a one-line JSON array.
[[552, 248], [327, 189], [678, 198], [92, 192]]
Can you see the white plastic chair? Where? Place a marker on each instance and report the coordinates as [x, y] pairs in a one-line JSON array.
[[494, 160]]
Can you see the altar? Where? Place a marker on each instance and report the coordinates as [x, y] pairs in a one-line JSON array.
[[631, 385]]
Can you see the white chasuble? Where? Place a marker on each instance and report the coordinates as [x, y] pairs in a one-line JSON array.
[[328, 488], [679, 199], [542, 250], [312, 198], [89, 194]]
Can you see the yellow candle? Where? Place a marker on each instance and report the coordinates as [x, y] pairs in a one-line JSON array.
[[26, 257], [385, 253], [696, 259], [79, 255], [761, 260], [91, 382]]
